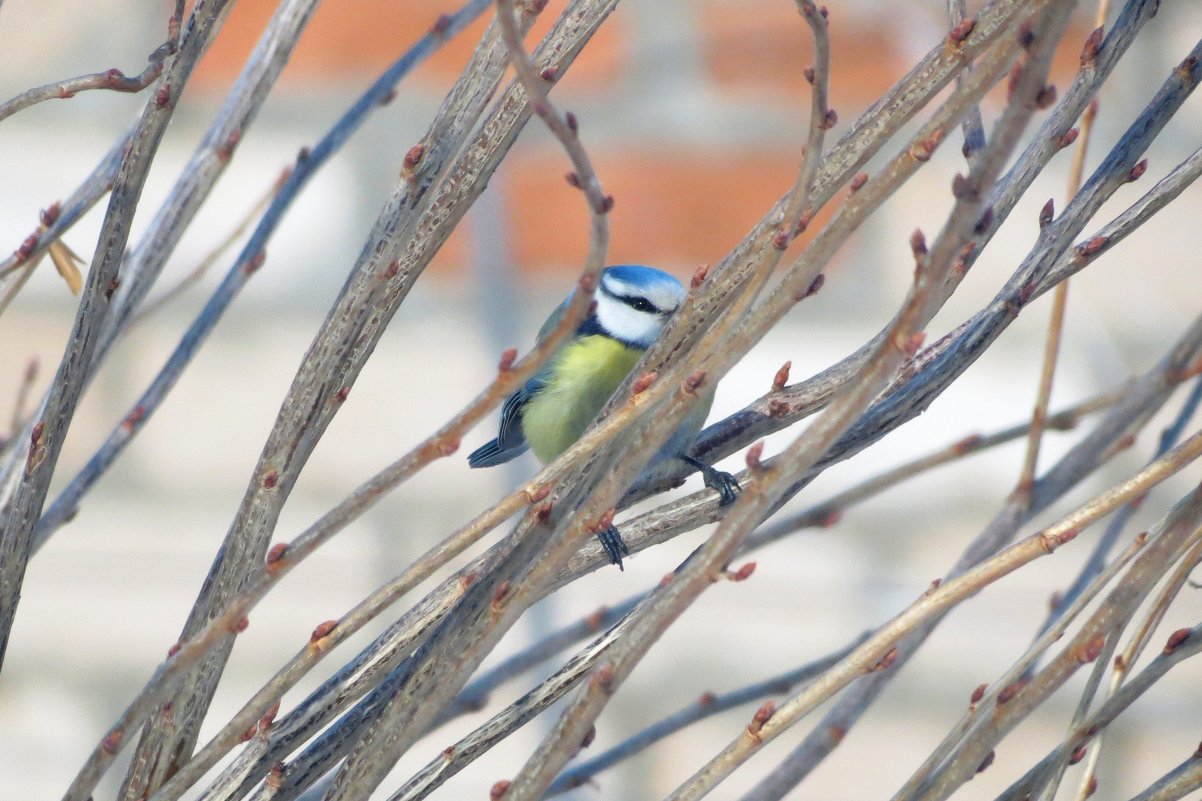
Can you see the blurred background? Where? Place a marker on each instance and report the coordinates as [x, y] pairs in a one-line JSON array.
[[693, 113]]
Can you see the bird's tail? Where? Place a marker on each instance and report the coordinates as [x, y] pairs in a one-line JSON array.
[[492, 454]]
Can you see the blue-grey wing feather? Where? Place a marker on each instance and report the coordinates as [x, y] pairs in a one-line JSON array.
[[511, 441]]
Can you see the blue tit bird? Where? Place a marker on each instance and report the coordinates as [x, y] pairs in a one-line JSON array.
[[553, 409]]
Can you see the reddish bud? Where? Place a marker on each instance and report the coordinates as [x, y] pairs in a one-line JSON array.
[[986, 762], [276, 554], [1077, 755], [1092, 45], [447, 446], [1089, 651], [699, 276], [135, 416], [255, 262], [498, 596], [1068, 137], [573, 179], [468, 579], [1046, 213], [808, 74], [549, 74], [961, 187], [858, 181], [394, 267], [958, 34], [508, 357], [1175, 640], [694, 382], [706, 700], [815, 285], [589, 736], [49, 216], [782, 377], [743, 573], [573, 123], [271, 478], [984, 222], [173, 650], [643, 383], [753, 456], [1137, 171], [162, 98], [978, 693], [607, 205], [918, 244], [1092, 787], [111, 743], [596, 618], [414, 156], [342, 394], [761, 716], [829, 120], [1008, 693], [321, 631], [781, 240], [26, 249], [441, 25], [886, 661], [498, 790], [1092, 247], [603, 678], [240, 625]]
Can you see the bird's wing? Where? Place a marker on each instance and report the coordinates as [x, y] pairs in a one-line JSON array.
[[511, 441]]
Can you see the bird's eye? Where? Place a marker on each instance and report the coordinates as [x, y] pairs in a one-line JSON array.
[[643, 305]]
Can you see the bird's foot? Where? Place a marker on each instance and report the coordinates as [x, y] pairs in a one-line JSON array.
[[726, 485], [613, 544]]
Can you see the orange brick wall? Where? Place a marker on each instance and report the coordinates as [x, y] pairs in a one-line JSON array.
[[677, 204]]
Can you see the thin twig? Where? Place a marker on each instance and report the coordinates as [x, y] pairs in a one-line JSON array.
[[1060, 294], [114, 80]]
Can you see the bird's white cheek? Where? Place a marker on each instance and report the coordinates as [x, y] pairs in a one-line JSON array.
[[627, 324]]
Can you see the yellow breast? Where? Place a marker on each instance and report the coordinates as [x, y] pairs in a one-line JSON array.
[[584, 374]]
